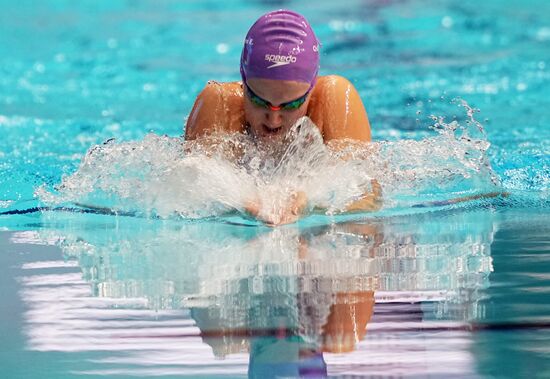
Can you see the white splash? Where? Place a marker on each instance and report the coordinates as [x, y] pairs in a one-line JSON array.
[[168, 176]]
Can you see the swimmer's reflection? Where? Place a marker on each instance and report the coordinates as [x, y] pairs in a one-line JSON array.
[[284, 296], [289, 340], [287, 332], [288, 295]]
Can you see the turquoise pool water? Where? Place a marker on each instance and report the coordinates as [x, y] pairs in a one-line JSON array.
[[418, 289]]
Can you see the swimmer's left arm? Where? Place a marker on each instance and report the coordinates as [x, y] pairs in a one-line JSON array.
[[369, 201], [337, 109], [344, 120]]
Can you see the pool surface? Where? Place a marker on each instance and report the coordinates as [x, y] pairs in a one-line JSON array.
[[153, 277]]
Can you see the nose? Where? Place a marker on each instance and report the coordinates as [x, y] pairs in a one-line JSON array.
[[274, 119]]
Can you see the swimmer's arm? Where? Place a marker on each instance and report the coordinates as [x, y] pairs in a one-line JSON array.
[[349, 122], [205, 117], [369, 201], [337, 109], [339, 112]]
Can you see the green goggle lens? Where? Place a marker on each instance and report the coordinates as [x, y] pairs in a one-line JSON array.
[[291, 105]]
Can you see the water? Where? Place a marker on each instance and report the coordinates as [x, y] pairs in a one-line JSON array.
[[160, 279]]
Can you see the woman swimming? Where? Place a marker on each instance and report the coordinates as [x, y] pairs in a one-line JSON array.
[[280, 84]]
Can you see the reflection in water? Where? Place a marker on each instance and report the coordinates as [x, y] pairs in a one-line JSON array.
[[294, 299]]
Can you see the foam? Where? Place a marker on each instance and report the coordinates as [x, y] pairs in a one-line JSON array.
[[167, 176]]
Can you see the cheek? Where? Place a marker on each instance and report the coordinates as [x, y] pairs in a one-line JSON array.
[[253, 115], [293, 116], [301, 112]]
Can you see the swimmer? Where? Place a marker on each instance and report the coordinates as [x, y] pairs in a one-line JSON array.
[[280, 84]]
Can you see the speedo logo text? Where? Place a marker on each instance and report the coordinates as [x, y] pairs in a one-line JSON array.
[[279, 60]]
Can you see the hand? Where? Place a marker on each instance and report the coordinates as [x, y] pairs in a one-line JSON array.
[[369, 201], [278, 215]]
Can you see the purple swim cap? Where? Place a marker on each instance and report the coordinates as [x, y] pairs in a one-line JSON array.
[[281, 45]]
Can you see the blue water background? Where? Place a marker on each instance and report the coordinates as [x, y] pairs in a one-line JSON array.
[[74, 75], [460, 293]]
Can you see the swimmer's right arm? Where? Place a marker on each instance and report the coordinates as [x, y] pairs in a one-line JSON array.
[[217, 109], [205, 116]]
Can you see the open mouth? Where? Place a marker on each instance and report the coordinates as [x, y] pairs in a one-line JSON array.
[[269, 130]]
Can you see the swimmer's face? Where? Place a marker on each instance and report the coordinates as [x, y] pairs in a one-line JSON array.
[[266, 122]]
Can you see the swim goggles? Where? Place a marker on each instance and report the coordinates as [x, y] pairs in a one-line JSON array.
[[291, 105]]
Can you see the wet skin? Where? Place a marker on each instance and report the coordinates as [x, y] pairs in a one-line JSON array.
[[333, 105]]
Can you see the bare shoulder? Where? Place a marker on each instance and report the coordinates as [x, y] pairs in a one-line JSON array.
[[222, 88], [337, 109], [331, 82], [217, 108]]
